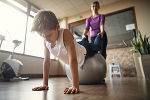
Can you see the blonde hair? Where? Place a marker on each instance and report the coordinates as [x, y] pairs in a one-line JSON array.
[[44, 20]]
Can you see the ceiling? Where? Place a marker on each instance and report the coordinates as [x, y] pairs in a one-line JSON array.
[[65, 8]]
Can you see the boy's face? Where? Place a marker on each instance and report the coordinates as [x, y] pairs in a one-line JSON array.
[[50, 35]]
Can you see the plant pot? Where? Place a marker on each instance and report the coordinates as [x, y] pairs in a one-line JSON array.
[[142, 64], [139, 69], [145, 64]]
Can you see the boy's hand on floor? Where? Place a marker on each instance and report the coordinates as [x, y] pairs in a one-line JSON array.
[[40, 88], [71, 90]]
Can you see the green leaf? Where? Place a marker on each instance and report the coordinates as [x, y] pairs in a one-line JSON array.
[[141, 44]]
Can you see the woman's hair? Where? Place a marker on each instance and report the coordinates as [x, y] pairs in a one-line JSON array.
[[96, 3], [44, 20]]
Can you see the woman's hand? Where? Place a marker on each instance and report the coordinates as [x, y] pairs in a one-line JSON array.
[[71, 90], [40, 88], [102, 31], [85, 33], [101, 34]]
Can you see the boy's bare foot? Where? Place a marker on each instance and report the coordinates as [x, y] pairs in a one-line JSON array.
[[71, 90], [40, 88]]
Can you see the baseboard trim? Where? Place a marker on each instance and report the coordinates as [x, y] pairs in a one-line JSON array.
[[40, 75]]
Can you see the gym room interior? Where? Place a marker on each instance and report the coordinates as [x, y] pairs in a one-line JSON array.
[[125, 70]]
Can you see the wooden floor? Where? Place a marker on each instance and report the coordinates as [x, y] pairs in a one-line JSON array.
[[115, 89]]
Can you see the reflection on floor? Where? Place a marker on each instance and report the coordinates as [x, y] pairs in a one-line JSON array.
[[114, 89]]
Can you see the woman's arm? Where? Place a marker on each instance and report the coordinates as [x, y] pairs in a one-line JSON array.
[[102, 22], [102, 30], [87, 27], [69, 44], [46, 67], [85, 32]]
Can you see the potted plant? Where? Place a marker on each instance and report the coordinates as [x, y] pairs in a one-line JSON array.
[[141, 48]]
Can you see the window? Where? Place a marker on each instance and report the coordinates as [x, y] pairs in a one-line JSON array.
[[12, 23]]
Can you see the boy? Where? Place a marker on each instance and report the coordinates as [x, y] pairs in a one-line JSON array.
[[60, 43]]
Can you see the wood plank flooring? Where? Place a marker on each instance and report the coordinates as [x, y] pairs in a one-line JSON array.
[[114, 89]]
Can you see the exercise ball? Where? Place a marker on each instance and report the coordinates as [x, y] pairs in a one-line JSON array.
[[93, 70]]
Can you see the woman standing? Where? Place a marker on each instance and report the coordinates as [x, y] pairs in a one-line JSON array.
[[96, 23]]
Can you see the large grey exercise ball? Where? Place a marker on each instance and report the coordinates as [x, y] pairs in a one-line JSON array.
[[92, 72]]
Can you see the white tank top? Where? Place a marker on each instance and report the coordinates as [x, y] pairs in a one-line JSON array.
[[60, 51]]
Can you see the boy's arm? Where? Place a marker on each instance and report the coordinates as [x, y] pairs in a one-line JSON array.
[[46, 67], [69, 44]]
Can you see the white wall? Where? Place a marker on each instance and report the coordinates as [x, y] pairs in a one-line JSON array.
[[33, 65]]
